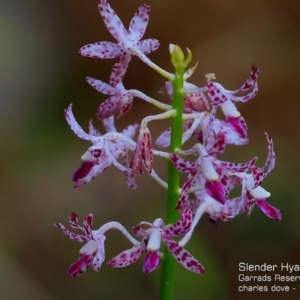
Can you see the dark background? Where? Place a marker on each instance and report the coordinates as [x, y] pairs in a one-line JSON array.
[[41, 73]]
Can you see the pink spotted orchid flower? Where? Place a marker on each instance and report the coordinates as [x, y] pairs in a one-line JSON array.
[[128, 42], [224, 99], [207, 173], [92, 253], [120, 101], [151, 241], [105, 151], [252, 192]]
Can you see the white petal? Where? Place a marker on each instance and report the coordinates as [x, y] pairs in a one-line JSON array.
[[229, 109], [89, 248], [208, 169], [88, 156], [260, 193], [154, 240]]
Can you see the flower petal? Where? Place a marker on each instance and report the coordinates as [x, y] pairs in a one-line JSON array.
[[87, 225], [100, 255], [163, 140], [102, 87], [269, 210], [181, 164], [216, 190], [151, 262], [94, 172], [111, 106], [80, 266], [113, 22], [71, 235], [139, 23], [232, 137], [219, 144], [149, 45], [83, 171], [182, 226], [93, 130], [75, 127], [217, 93], [101, 50], [239, 125], [250, 83], [73, 221], [143, 153], [139, 229], [270, 162], [126, 107], [130, 130], [195, 102], [119, 69], [184, 257], [239, 167], [185, 190], [127, 257]]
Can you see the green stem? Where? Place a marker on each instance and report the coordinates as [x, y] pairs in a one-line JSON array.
[[167, 277]]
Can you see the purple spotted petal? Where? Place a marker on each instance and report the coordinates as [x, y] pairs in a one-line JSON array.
[[73, 221], [87, 225], [143, 154], [238, 125], [127, 257], [102, 87], [269, 210], [101, 50], [93, 130], [130, 130], [111, 106], [139, 230], [239, 167], [71, 235], [216, 190], [219, 145], [75, 127], [163, 140], [94, 172], [232, 137], [217, 93], [80, 266], [184, 257], [139, 23], [270, 162], [151, 262], [113, 22], [195, 102], [126, 107], [109, 124], [182, 226], [119, 69], [130, 181], [251, 81], [258, 177], [148, 46], [100, 255], [181, 164], [83, 171], [186, 189]]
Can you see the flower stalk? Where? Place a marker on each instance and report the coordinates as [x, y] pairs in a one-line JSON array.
[[167, 277]]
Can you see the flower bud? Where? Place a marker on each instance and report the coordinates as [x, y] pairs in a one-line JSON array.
[[177, 56]]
